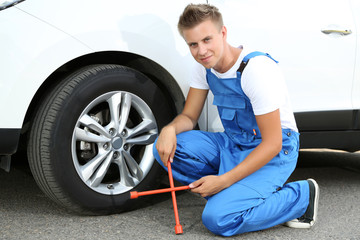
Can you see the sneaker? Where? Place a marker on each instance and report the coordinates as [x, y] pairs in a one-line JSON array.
[[309, 218]]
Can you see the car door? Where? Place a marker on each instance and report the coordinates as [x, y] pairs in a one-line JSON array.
[[314, 42]]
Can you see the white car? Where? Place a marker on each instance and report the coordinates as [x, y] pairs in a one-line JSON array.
[[87, 85]]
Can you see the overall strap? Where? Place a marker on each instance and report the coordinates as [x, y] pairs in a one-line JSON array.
[[247, 58]]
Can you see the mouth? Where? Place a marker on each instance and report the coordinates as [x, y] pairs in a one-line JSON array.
[[205, 59]]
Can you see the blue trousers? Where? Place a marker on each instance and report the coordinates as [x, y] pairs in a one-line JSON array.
[[256, 202]]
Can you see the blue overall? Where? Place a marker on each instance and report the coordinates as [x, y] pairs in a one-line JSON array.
[[258, 201]]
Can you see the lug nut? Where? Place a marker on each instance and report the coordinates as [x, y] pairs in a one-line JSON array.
[[123, 133], [112, 131]]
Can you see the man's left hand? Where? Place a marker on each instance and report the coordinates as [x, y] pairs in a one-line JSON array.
[[207, 186]]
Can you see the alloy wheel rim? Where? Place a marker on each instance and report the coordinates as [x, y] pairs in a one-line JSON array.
[[112, 142]]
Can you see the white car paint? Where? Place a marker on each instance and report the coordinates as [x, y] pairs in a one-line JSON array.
[[322, 70]]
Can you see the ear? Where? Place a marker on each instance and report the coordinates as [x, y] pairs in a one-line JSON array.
[[224, 32]]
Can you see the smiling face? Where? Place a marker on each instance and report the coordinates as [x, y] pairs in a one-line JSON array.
[[207, 43]]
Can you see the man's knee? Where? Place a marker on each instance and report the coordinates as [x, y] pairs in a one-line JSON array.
[[229, 224], [220, 224]]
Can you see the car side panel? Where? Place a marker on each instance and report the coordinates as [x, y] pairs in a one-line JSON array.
[[34, 49]]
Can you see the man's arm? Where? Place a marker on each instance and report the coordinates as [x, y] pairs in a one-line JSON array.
[[187, 120], [271, 133]]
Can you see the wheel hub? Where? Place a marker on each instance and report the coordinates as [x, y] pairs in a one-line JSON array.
[[117, 143]]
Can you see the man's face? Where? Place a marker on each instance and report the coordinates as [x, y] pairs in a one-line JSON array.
[[206, 43]]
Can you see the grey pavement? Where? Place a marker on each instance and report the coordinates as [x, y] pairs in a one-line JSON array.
[[26, 213]]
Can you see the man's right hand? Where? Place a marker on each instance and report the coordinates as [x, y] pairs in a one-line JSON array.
[[166, 144]]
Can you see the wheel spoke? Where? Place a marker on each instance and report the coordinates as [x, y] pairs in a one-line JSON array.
[[101, 172], [125, 110], [125, 176], [143, 140], [114, 106], [91, 123], [89, 168], [133, 166], [145, 126], [87, 136]]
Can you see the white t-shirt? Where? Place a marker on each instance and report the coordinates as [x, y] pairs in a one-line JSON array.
[[263, 83]]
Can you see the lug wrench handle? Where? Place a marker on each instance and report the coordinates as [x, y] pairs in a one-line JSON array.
[[178, 227], [135, 194]]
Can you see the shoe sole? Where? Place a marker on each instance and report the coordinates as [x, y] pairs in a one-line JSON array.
[[295, 223]]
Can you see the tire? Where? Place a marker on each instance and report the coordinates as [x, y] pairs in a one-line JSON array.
[[91, 140]]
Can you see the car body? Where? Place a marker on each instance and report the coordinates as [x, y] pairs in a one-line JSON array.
[[86, 85]]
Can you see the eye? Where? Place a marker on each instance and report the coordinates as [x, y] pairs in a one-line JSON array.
[[207, 39], [192, 45]]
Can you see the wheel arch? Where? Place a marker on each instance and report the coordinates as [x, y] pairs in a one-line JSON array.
[[161, 77]]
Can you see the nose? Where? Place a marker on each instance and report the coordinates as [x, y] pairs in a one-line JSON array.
[[202, 50]]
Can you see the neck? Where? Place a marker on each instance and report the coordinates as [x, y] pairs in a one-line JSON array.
[[230, 56]]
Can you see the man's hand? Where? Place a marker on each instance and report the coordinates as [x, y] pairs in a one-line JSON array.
[[166, 144], [208, 185]]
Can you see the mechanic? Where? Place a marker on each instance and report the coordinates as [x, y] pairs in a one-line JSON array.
[[241, 171]]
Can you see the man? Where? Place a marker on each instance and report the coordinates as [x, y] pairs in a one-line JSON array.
[[242, 171]]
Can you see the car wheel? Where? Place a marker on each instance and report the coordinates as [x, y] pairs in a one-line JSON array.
[[91, 139]]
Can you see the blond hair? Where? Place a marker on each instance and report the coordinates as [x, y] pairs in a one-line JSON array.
[[195, 14]]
